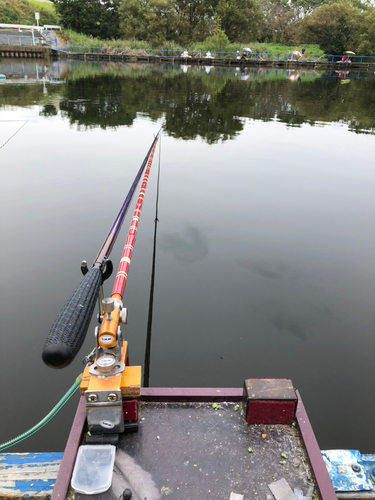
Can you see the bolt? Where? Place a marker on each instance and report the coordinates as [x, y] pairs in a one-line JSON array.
[[356, 468], [112, 396], [93, 397]]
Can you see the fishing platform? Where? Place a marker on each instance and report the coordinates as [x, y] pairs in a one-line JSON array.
[[198, 444], [221, 59], [202, 443]]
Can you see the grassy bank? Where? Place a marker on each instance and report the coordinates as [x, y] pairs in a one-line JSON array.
[[23, 12], [78, 40]]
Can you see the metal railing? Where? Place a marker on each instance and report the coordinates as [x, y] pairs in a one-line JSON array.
[[216, 55], [20, 40], [20, 27]]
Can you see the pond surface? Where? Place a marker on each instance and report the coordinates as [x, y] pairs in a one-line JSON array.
[[266, 236]]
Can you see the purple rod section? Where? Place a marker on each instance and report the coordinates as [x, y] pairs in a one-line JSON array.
[[112, 235]]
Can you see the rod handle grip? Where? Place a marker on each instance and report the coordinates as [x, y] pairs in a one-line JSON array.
[[70, 327]]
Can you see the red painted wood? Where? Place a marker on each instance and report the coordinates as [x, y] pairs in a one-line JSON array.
[[271, 412], [130, 409], [190, 394], [311, 444]]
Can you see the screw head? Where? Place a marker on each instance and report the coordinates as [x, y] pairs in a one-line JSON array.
[[112, 396], [356, 468], [93, 397], [108, 305]]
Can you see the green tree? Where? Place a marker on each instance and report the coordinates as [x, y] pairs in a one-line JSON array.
[[366, 36], [218, 40], [98, 18], [240, 19], [150, 20], [334, 27], [280, 22], [184, 21], [160, 20], [194, 19]]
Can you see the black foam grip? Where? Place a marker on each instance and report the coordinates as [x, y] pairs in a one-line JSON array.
[[70, 327]]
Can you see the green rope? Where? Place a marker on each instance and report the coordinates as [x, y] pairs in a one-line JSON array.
[[46, 419]]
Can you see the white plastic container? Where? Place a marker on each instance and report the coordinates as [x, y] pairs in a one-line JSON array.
[[93, 469]]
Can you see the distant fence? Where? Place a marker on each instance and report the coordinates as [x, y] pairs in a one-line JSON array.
[[18, 40]]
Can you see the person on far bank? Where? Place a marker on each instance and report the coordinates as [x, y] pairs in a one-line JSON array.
[[303, 52]]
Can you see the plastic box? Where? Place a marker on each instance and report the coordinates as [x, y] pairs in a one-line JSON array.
[[93, 469]]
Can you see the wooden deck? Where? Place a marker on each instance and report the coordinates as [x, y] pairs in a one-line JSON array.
[[28, 475]]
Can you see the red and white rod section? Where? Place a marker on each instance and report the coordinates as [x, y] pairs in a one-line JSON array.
[[122, 273]]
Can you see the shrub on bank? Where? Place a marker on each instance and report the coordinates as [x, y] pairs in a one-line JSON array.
[[23, 12], [78, 40]]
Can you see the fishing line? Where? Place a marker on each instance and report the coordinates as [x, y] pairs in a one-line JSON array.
[[146, 376], [26, 121]]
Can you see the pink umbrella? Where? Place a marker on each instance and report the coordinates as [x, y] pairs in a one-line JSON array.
[[296, 53]]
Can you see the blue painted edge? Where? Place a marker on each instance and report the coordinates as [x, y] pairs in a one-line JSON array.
[[29, 458], [34, 486], [341, 466]]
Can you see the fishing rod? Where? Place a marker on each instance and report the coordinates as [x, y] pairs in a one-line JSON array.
[[109, 342], [70, 327]]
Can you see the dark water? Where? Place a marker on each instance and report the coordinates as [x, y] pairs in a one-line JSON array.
[[266, 240]]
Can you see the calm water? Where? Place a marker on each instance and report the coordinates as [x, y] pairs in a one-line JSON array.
[[266, 240]]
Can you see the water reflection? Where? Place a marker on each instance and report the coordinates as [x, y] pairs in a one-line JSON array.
[[197, 101], [287, 298], [302, 319], [270, 269], [189, 248]]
